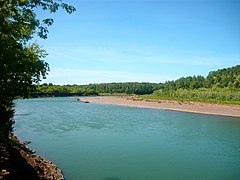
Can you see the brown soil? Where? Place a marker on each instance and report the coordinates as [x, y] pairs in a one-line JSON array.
[[17, 162]]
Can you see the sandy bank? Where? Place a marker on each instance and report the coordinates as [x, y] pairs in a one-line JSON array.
[[184, 106]]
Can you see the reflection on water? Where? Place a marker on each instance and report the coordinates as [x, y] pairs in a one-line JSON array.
[[107, 142]]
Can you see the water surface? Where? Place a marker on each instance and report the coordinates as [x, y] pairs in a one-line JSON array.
[[107, 142]]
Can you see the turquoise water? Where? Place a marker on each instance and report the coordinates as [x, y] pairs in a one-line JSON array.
[[108, 142]]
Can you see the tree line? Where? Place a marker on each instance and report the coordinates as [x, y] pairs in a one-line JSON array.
[[222, 78], [96, 89], [220, 85]]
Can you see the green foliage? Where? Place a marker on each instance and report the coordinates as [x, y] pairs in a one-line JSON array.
[[128, 87], [19, 20], [21, 64], [227, 77], [64, 90], [201, 94], [222, 85], [20, 69], [93, 89]]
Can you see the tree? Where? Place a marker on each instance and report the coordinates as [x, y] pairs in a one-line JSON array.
[[21, 64]]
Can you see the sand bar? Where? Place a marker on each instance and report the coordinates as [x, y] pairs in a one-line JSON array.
[[184, 106]]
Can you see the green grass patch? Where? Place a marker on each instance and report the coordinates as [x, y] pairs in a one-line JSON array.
[[155, 98]]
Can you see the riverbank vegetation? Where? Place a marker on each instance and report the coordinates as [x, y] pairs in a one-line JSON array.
[[213, 95], [221, 86]]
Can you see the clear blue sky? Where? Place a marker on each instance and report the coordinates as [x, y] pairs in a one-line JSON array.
[[142, 40]]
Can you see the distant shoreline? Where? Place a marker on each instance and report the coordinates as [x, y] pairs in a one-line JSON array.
[[182, 106]]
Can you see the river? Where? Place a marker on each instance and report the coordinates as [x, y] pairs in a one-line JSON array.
[[90, 141]]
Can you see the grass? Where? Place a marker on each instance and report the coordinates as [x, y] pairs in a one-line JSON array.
[[216, 101]]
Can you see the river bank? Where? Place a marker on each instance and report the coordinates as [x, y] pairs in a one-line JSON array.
[[19, 162], [183, 106]]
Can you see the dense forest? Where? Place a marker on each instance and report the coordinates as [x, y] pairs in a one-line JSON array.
[[220, 85], [95, 89]]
